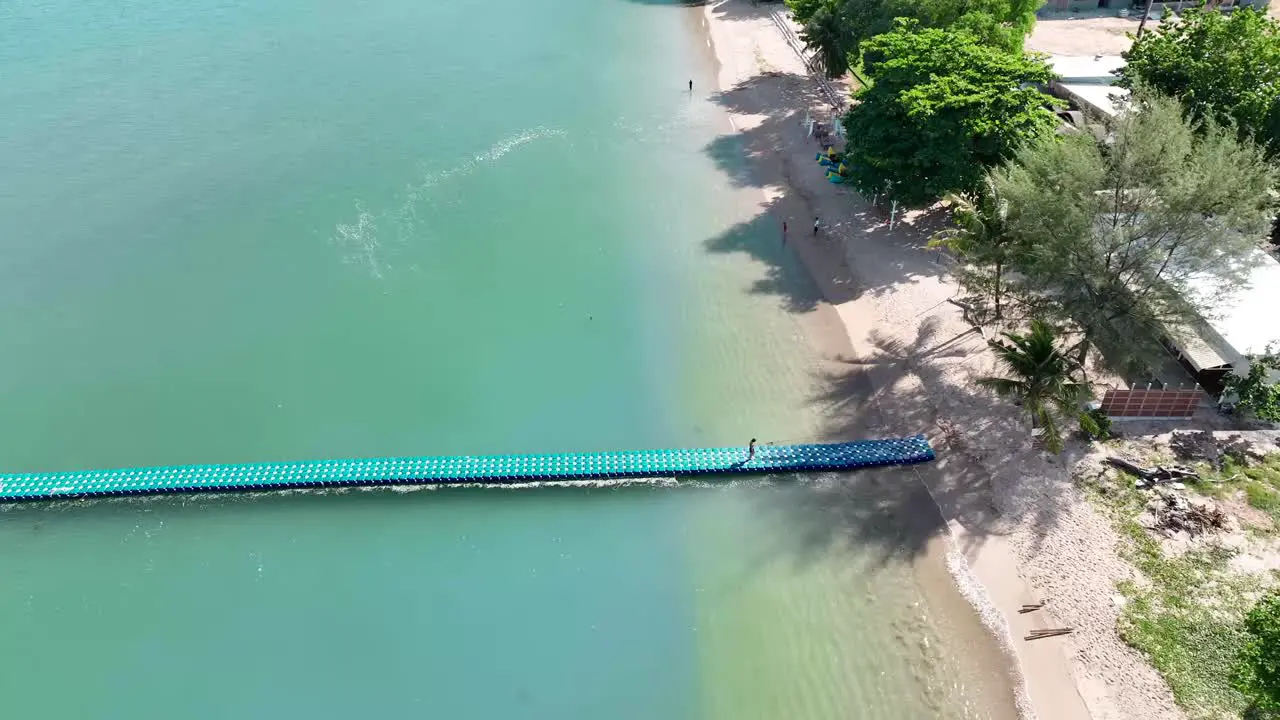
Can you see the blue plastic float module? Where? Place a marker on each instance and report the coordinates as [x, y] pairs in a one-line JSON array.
[[455, 469]]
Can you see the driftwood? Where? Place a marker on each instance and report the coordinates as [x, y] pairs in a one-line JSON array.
[[1148, 477], [1030, 607], [1051, 632], [1174, 513]]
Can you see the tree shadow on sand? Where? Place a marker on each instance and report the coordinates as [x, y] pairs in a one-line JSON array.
[[895, 513], [887, 512], [765, 155], [891, 391], [895, 385], [785, 275]]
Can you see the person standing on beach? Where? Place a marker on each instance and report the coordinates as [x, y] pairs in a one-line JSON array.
[[690, 86], [817, 225], [751, 451]]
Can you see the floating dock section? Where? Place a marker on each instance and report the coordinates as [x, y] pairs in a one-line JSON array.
[[444, 470]]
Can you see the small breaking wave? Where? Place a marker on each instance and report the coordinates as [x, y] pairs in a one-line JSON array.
[[495, 153], [247, 495], [989, 613], [360, 240], [415, 193]]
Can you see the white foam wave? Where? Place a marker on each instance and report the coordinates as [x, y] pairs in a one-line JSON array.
[[251, 495], [415, 193], [360, 239], [976, 593], [495, 153], [531, 485]]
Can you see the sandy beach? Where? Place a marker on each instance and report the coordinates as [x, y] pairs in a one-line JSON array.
[[901, 359]]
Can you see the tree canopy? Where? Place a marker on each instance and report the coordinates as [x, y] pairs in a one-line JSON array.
[[1113, 237], [943, 107], [1257, 394], [1220, 66], [998, 23], [836, 29]]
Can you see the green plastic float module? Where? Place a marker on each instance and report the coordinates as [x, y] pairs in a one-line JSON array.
[[460, 469]]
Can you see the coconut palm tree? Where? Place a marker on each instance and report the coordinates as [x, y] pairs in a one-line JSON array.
[[1041, 377], [982, 241], [824, 35]]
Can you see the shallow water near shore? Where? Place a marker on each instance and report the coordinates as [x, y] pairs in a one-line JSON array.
[[279, 230]]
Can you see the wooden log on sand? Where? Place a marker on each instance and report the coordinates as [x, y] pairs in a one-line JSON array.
[[1052, 632]]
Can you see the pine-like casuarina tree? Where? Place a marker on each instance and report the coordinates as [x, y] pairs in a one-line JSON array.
[[1117, 239]]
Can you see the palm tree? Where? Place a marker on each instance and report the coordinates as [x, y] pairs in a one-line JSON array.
[[824, 35], [982, 240], [1041, 378]]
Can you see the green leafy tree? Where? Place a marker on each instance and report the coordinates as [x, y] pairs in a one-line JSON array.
[[942, 108], [836, 29], [804, 10], [1220, 66], [1257, 674], [863, 20], [1040, 375], [1257, 393], [980, 237], [1115, 235], [999, 23]]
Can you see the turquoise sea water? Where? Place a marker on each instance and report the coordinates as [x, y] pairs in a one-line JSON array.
[[238, 231]]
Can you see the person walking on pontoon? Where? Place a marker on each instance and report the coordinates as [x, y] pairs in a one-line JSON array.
[[751, 451]]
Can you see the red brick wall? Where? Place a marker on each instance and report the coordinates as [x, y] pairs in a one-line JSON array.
[[1152, 403]]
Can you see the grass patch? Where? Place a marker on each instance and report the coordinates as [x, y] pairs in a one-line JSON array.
[[1262, 497], [1188, 622], [1260, 483], [1187, 616]]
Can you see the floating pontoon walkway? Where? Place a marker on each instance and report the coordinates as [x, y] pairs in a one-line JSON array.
[[490, 469]]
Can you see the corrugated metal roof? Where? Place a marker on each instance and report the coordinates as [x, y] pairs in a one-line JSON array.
[[1248, 318], [1198, 350]]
